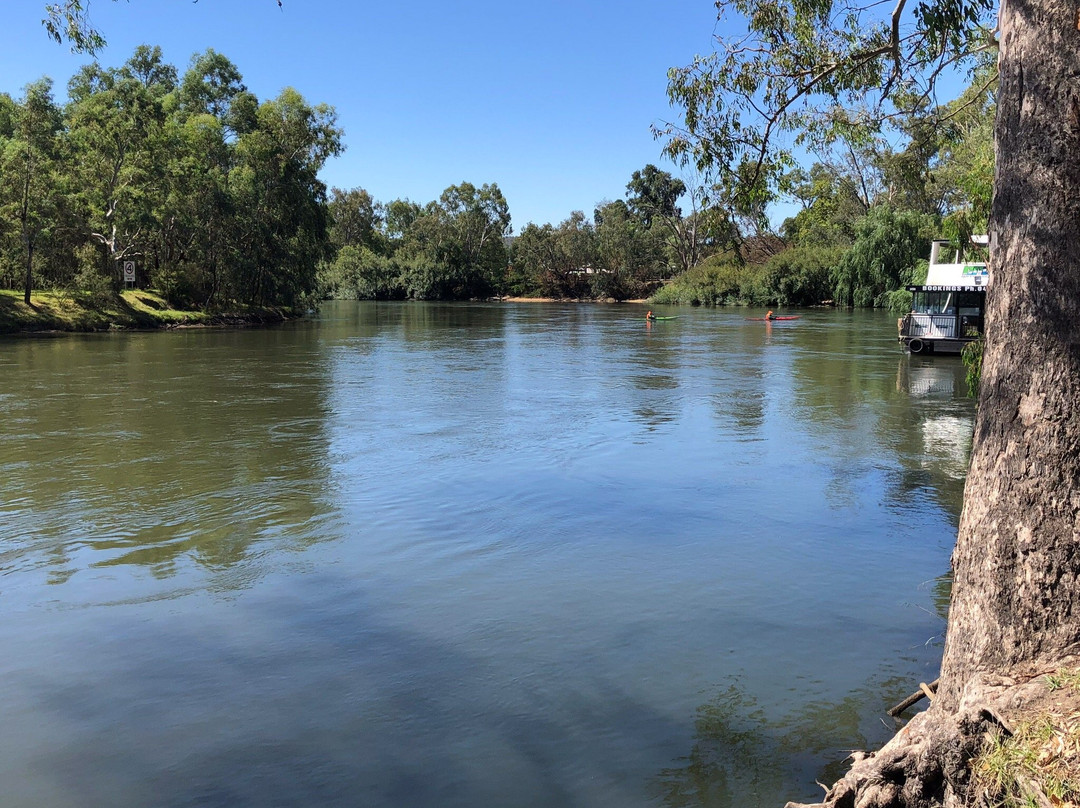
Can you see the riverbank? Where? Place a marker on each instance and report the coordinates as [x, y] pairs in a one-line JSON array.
[[1013, 741], [133, 309], [567, 300]]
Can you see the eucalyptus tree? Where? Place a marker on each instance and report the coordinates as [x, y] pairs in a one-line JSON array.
[[356, 219], [69, 21], [557, 262], [577, 244], [965, 168], [280, 203], [1016, 596], [192, 246], [148, 67], [213, 85], [831, 206], [454, 248], [821, 69], [362, 266], [30, 154], [933, 172], [535, 262], [398, 218], [630, 255], [115, 122], [479, 219], [653, 197]]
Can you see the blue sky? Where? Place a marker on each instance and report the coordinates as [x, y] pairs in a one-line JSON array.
[[552, 101]]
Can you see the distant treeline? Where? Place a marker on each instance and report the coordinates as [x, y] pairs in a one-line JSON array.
[[460, 246], [215, 197]]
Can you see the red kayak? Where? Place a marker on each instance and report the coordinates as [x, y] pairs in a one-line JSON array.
[[772, 319]]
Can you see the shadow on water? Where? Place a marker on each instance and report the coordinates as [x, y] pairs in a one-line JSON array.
[[742, 757], [331, 706]]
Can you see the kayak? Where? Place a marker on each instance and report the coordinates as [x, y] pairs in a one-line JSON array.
[[772, 319], [672, 317]]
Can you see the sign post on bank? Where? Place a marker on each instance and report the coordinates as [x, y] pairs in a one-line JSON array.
[[129, 273]]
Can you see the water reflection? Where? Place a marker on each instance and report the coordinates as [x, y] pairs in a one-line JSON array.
[[944, 417], [472, 554], [742, 757], [160, 450], [942, 593]]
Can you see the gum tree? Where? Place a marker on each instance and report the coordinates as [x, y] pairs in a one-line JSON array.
[[115, 123], [29, 159]]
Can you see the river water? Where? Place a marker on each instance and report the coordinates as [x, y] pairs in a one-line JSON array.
[[468, 555]]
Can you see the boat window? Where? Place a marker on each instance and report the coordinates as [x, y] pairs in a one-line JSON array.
[[934, 303]]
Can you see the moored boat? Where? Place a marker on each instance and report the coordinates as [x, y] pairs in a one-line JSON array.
[[947, 311]]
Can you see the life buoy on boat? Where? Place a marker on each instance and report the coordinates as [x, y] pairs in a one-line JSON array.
[[916, 346]]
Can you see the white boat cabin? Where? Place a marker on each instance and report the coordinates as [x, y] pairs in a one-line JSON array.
[[947, 311]]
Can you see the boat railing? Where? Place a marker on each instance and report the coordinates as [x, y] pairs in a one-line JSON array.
[[930, 325]]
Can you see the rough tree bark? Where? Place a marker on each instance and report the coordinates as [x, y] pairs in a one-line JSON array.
[[1015, 609], [1017, 561]]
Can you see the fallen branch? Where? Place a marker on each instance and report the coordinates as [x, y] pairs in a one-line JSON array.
[[924, 691]]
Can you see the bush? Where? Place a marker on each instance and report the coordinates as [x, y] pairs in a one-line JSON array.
[[99, 289], [358, 273], [799, 277], [713, 283]]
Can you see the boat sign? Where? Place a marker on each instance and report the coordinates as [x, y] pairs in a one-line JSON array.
[[944, 288]]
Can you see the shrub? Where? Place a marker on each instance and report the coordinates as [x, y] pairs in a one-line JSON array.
[[713, 283]]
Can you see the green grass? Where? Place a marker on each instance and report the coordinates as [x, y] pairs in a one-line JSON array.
[[1063, 679], [1011, 767], [135, 309], [1040, 759]]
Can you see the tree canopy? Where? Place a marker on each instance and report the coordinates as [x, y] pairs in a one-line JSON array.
[[214, 194], [805, 75]]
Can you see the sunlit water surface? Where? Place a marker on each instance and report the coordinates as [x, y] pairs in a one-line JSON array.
[[468, 555]]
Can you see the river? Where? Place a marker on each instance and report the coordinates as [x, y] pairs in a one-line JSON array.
[[468, 555]]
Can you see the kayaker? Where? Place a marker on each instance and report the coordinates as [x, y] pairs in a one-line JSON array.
[[769, 316], [649, 316]]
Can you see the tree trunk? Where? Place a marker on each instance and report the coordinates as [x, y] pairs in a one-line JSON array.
[[1016, 595], [29, 271], [1016, 591]]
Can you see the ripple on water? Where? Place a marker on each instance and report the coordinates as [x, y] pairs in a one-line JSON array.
[[467, 555]]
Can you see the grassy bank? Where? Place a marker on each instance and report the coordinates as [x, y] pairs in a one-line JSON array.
[[51, 311], [1035, 763]]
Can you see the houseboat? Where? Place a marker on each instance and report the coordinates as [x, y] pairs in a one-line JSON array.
[[947, 311]]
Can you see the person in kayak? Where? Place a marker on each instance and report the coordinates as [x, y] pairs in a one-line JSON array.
[[649, 316], [769, 316]]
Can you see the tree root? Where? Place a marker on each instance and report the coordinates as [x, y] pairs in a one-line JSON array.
[[926, 764], [915, 769]]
